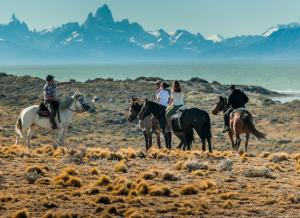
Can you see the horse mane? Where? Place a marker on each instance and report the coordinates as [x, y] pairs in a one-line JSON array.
[[137, 101], [67, 102]]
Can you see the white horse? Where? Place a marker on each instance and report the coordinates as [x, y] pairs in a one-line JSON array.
[[29, 117]]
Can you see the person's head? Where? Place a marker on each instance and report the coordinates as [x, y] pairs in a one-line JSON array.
[[176, 86], [164, 85], [50, 79], [157, 84], [232, 87]]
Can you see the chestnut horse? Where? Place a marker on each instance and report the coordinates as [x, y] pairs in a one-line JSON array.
[[241, 121]]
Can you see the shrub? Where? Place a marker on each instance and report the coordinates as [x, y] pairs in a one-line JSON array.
[[192, 165], [142, 188], [225, 165], [259, 172], [95, 171], [207, 184], [60, 214], [33, 173], [229, 195], [21, 214], [278, 157]]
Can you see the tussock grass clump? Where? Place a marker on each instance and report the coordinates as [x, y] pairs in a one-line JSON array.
[[278, 157], [21, 214], [207, 184], [133, 213], [122, 186], [6, 198], [128, 152], [264, 154], [103, 200], [150, 175], [34, 173], [170, 177], [95, 171], [93, 191], [225, 165], [142, 188], [189, 190], [68, 178], [160, 191], [229, 195], [70, 171], [259, 172], [227, 205], [294, 198], [60, 214], [192, 165], [98, 154], [59, 152], [104, 180], [121, 167], [295, 156]]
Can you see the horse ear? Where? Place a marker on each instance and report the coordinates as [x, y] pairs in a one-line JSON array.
[[132, 98], [146, 100]]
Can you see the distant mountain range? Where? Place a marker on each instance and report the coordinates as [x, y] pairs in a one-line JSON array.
[[102, 39]]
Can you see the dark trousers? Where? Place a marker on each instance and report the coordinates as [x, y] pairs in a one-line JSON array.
[[54, 105], [227, 117]]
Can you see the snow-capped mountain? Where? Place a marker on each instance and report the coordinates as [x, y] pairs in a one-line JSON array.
[[101, 38]]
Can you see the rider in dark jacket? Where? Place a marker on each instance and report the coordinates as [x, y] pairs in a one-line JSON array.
[[236, 99], [50, 98]]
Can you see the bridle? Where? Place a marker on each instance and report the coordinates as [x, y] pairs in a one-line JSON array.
[[76, 110]]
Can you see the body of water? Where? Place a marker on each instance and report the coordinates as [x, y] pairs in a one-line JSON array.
[[279, 77]]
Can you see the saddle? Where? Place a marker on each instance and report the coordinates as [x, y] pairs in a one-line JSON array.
[[176, 118], [43, 110], [242, 109]]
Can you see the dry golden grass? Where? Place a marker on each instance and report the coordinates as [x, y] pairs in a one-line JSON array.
[[21, 214], [278, 157], [156, 190], [121, 166], [103, 180], [189, 190]]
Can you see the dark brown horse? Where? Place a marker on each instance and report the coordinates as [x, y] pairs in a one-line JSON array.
[[241, 121], [149, 125], [191, 119]]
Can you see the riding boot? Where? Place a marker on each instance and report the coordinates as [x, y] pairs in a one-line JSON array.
[[226, 123], [52, 118]]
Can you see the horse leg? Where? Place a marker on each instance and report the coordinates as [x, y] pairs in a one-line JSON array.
[[29, 134], [230, 134], [209, 143], [149, 138], [238, 141], [146, 139], [60, 137], [17, 140], [202, 138], [247, 141], [158, 139]]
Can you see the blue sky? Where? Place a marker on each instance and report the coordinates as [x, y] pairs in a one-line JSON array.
[[224, 17]]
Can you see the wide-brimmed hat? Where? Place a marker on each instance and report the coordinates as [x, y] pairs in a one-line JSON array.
[[49, 78]]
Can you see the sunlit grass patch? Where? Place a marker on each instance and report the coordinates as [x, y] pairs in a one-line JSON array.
[[104, 180], [156, 190]]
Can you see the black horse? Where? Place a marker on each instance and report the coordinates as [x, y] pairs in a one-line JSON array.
[[192, 118]]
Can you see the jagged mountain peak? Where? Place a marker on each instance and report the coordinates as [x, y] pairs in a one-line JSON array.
[[104, 15]]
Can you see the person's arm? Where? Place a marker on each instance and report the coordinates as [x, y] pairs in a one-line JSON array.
[[246, 99], [229, 100], [171, 100]]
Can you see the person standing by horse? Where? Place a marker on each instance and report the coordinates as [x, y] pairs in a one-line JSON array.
[[236, 99], [50, 98], [176, 102]]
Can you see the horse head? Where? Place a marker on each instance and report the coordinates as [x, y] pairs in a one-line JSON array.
[[134, 109], [82, 104], [220, 105], [150, 107]]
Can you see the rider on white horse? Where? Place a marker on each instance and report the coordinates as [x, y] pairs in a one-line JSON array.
[[29, 117], [50, 98]]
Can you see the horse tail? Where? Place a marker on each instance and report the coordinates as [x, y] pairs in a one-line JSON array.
[[19, 127], [250, 125]]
